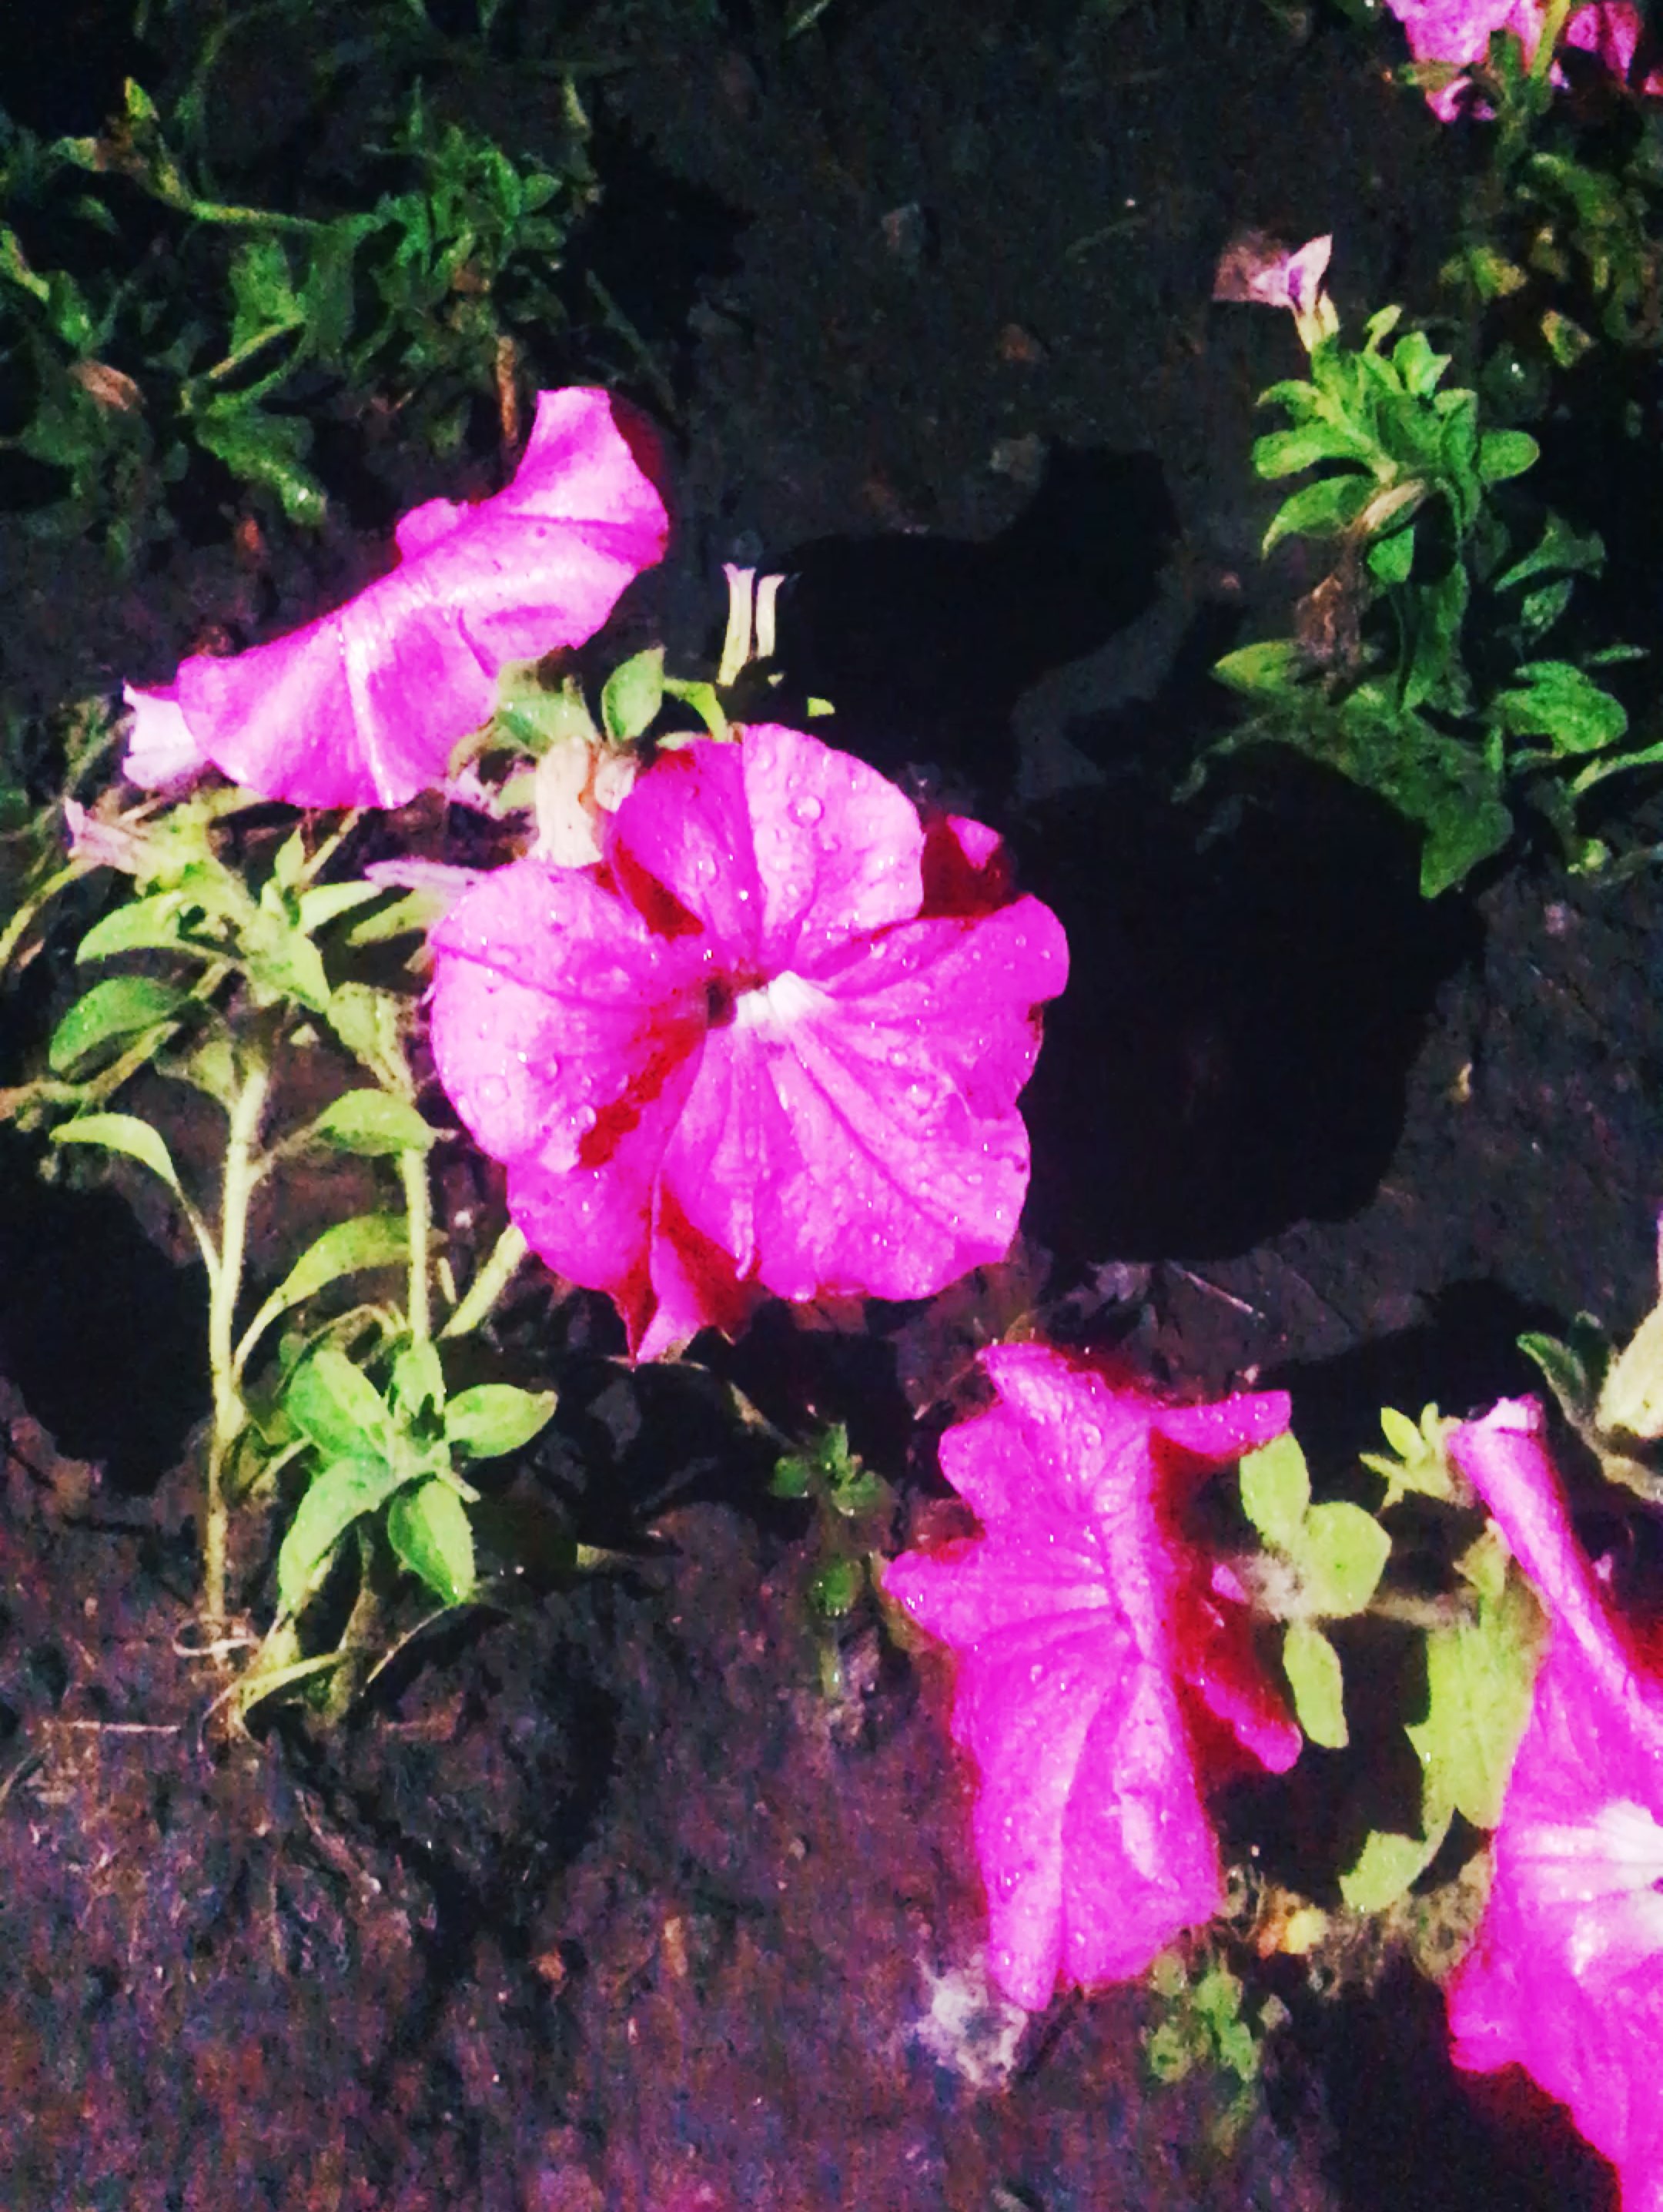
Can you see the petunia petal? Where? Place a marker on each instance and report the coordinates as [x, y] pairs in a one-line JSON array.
[[364, 706]]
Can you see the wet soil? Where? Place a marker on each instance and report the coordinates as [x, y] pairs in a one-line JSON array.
[[625, 1896]]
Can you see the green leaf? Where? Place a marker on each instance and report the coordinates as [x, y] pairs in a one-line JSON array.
[[326, 902], [1340, 1553], [345, 1248], [369, 1023], [418, 1380], [335, 1407], [1400, 1433], [282, 962], [122, 1132], [429, 1527], [1273, 665], [137, 926], [1503, 453], [1417, 364], [1480, 1676], [1313, 1668], [372, 1124], [633, 696], [1557, 701], [1391, 559], [495, 1418], [1565, 1373], [1562, 549], [833, 1588], [110, 1013], [1276, 1489], [264, 449], [1325, 509], [337, 1497], [1284, 453], [1388, 1863], [792, 1476]]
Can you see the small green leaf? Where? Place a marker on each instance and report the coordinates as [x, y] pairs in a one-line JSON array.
[[110, 1013], [495, 1418], [1324, 509], [633, 695], [264, 449], [1284, 453], [372, 1124], [1565, 1373], [1388, 1863], [326, 902], [1271, 666], [337, 1497], [427, 1525], [1480, 1676], [1340, 1553], [835, 1588], [1391, 559], [1400, 1433], [792, 1476], [1558, 702], [334, 1405], [1276, 1489], [370, 1025], [1503, 453], [345, 1248], [121, 1133], [418, 1380], [137, 926], [1313, 1668]]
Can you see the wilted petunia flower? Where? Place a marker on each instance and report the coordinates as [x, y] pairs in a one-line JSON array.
[[755, 1053], [1566, 1976], [362, 707], [1460, 32], [1105, 1671]]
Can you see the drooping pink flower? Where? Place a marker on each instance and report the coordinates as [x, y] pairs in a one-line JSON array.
[[749, 1054], [1258, 268], [1105, 1672], [1566, 1976], [1459, 31], [362, 707]]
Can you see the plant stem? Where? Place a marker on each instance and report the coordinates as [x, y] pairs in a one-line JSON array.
[[418, 1212], [488, 1285], [241, 1177]]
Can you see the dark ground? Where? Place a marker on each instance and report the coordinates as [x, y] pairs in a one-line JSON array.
[[610, 1904]]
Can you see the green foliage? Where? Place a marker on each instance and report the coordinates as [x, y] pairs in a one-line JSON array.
[[1204, 2026], [1417, 1461], [852, 1507], [1415, 671], [149, 321], [1331, 1557], [1612, 1398]]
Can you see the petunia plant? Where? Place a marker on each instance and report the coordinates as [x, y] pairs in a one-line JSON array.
[[1416, 665]]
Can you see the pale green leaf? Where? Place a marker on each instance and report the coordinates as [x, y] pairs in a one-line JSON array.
[[110, 1013], [337, 1497], [1313, 1668], [429, 1527], [495, 1418], [372, 1124], [335, 1407], [121, 1133], [1480, 1676], [1276, 1489], [1340, 1553]]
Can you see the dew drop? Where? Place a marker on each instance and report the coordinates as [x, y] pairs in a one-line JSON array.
[[494, 1090], [807, 811]]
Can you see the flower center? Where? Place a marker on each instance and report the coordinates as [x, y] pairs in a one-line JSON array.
[[778, 1004]]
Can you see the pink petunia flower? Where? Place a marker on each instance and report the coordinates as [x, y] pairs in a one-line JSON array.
[[751, 1053], [1105, 1671], [1459, 31], [1566, 1976], [362, 707]]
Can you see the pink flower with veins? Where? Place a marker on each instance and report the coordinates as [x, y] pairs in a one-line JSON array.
[[1105, 1668], [773, 1044], [1566, 1976], [363, 707]]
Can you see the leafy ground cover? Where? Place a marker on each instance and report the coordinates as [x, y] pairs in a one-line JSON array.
[[659, 1891]]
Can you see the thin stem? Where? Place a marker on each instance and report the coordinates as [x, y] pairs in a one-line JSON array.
[[13, 934], [241, 1178], [418, 1211], [488, 1285]]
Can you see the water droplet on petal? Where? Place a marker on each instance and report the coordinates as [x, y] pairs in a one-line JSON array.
[[807, 809], [494, 1090]]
